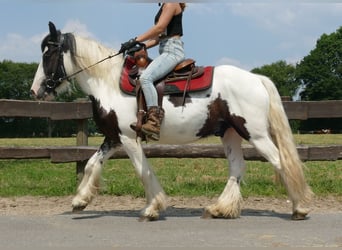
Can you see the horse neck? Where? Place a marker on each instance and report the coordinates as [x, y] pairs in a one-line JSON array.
[[104, 75]]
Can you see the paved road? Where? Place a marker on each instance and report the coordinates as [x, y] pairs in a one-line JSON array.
[[181, 228]]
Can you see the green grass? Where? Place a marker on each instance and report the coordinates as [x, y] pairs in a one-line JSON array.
[[184, 177], [178, 177], [36, 177]]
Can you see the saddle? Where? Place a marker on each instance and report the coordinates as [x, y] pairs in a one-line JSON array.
[[185, 78]]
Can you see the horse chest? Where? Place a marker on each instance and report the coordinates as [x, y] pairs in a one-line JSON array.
[[106, 121]]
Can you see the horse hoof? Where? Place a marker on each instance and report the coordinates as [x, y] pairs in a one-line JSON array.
[[78, 209], [298, 216], [207, 215], [144, 218], [213, 213]]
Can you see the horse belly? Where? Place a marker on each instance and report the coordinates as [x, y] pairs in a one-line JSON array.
[[182, 124]]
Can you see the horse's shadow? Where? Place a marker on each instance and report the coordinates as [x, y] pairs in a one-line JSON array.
[[171, 212]]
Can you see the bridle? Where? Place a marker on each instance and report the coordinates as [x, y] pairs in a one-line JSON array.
[[58, 75], [54, 79]]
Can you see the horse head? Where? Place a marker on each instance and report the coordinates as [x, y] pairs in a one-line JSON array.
[[51, 77]]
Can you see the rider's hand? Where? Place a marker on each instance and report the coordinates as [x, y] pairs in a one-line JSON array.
[[127, 45]]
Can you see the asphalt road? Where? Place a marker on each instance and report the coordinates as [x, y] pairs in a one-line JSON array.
[[181, 228]]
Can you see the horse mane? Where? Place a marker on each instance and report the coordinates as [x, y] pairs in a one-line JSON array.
[[86, 52]]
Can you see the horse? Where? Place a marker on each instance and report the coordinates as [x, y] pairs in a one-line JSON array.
[[242, 105]]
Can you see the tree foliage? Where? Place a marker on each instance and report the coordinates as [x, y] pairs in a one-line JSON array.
[[16, 79], [321, 70], [282, 74], [321, 73]]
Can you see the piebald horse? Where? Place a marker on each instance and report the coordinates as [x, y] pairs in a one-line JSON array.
[[241, 104]]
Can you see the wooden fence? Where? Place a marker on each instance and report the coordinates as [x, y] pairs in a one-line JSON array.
[[81, 111]]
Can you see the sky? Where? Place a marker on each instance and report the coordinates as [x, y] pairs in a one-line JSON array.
[[244, 33]]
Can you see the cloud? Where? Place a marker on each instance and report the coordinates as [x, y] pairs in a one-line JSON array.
[[19, 48], [282, 17], [75, 26], [232, 61], [293, 26], [205, 9], [266, 16]]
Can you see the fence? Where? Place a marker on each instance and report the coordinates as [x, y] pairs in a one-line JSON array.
[[82, 111]]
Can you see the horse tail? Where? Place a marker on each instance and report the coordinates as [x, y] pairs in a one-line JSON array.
[[291, 173]]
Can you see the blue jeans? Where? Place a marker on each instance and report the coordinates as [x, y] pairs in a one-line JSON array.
[[171, 53]]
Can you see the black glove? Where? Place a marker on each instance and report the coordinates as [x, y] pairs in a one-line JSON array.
[[127, 45]]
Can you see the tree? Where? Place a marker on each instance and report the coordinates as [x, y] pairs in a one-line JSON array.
[[16, 79], [15, 83], [283, 76], [321, 73], [321, 70]]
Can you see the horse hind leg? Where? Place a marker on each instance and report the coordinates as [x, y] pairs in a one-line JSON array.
[[90, 183], [229, 202], [290, 178]]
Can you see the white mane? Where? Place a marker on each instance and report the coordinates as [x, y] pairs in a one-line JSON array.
[[89, 52]]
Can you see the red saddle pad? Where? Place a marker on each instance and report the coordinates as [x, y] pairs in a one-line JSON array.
[[196, 84]]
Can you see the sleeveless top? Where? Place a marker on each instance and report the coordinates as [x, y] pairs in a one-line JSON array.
[[175, 26]]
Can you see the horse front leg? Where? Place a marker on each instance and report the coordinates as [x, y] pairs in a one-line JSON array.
[[90, 183], [155, 195], [229, 203]]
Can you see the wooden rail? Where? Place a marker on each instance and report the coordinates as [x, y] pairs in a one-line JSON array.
[[313, 109], [83, 153], [53, 110], [83, 110]]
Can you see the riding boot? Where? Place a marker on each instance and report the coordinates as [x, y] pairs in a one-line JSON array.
[[151, 128]]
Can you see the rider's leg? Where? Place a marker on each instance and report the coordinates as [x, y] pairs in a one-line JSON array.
[[171, 53]]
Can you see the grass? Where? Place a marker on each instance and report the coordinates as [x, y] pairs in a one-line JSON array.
[[36, 177], [186, 177]]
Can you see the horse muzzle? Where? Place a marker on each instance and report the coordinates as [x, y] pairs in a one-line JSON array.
[[42, 94]]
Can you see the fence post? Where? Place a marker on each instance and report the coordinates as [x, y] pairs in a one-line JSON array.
[[82, 140]]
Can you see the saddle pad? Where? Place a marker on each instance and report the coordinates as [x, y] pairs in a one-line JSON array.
[[196, 84]]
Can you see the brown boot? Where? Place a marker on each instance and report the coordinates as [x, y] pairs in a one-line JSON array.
[[151, 128]]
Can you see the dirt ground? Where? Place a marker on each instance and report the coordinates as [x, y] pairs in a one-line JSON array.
[[32, 205]]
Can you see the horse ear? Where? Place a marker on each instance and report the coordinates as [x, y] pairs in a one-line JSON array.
[[53, 31]]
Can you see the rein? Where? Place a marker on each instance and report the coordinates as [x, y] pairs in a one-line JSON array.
[[67, 77]]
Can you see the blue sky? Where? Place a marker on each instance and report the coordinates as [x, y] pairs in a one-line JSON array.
[[246, 33]]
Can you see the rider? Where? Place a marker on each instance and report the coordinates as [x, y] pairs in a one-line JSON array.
[[166, 32]]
